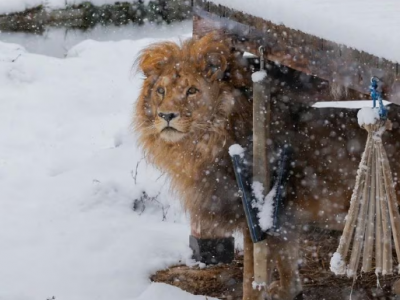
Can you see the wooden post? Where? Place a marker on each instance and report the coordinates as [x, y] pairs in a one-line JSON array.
[[261, 172]]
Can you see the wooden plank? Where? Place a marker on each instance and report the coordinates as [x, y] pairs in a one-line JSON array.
[[303, 52]]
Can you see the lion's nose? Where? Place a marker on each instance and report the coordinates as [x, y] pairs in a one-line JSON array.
[[167, 116]]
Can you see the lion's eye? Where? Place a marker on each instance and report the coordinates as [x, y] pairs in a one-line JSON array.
[[161, 91], [192, 91]]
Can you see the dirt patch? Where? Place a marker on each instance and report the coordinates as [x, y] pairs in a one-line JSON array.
[[225, 281], [221, 281]]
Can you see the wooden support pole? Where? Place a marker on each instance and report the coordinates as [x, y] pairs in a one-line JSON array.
[[392, 202], [348, 230], [379, 229], [248, 268], [370, 217], [361, 220], [387, 235], [261, 172]]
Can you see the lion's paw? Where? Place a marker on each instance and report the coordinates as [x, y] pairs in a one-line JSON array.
[[284, 293]]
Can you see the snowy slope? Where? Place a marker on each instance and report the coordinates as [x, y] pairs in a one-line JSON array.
[[67, 162], [11, 6], [368, 25]]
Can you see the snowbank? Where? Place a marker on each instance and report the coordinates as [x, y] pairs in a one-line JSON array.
[[367, 25], [68, 179]]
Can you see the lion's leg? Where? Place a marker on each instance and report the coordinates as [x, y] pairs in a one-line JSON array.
[[286, 253], [210, 244], [248, 268]]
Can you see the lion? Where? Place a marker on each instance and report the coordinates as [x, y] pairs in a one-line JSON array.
[[193, 105]]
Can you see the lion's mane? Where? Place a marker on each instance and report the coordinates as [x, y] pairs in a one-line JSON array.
[[199, 165]]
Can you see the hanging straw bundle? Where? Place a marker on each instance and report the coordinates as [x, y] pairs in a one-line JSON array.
[[373, 218]]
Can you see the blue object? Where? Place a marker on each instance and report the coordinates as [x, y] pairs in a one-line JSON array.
[[376, 95]]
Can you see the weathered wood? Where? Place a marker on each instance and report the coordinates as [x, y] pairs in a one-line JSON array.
[[261, 170], [370, 218], [392, 201], [379, 228], [248, 268], [303, 52], [361, 220]]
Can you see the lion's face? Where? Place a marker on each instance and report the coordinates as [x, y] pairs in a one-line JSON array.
[[182, 103], [183, 94]]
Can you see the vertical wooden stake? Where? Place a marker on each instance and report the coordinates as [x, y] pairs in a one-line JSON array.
[[387, 234], [348, 230], [392, 201], [361, 220], [248, 268], [261, 172], [370, 230], [379, 229]]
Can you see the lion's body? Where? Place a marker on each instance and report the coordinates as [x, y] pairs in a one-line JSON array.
[[207, 112], [199, 164]]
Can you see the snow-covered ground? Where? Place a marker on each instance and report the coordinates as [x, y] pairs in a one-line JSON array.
[[11, 6], [57, 41], [68, 162]]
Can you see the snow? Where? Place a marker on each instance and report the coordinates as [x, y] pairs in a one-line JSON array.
[[258, 191], [347, 104], [57, 41], [258, 286], [368, 115], [258, 76], [265, 205], [249, 55], [161, 291], [236, 149], [266, 214], [367, 25], [11, 6], [68, 180], [338, 266]]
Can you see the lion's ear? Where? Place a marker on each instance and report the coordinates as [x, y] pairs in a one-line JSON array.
[[153, 59], [212, 53]]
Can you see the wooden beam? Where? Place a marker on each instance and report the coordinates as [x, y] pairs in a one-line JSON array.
[[303, 52]]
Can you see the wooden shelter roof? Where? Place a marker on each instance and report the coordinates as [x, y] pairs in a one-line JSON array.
[[327, 60]]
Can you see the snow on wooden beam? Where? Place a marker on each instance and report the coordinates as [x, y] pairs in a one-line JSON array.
[[303, 52]]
